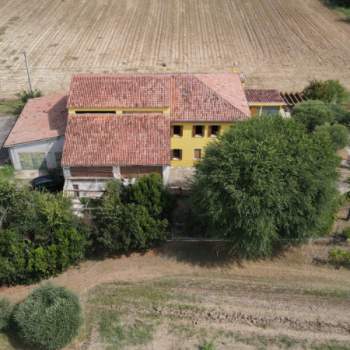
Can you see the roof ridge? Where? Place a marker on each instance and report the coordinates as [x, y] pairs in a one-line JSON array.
[[218, 95]]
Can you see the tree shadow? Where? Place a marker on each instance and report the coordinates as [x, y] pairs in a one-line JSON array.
[[204, 254]]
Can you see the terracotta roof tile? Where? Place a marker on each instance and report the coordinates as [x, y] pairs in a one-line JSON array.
[[123, 90], [204, 98], [107, 139], [42, 118], [191, 97], [263, 96]]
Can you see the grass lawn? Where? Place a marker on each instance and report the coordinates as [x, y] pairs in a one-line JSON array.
[[10, 107]]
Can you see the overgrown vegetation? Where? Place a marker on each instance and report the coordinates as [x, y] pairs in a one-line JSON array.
[[339, 257], [5, 314], [266, 183], [15, 106], [39, 234], [131, 217]]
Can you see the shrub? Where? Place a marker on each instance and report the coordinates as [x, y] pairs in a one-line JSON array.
[[341, 115], [266, 183], [24, 96], [5, 313], [312, 114], [329, 91], [49, 318], [339, 134], [131, 217], [339, 257], [39, 237]]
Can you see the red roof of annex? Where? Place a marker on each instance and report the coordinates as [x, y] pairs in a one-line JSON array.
[[42, 118]]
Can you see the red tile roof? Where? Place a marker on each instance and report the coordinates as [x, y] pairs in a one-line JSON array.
[[264, 96], [42, 118], [109, 139], [123, 90], [208, 97], [191, 97]]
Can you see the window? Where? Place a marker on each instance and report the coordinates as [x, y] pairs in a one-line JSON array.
[[176, 154], [198, 130], [177, 130], [270, 110], [214, 130], [31, 161], [197, 153]]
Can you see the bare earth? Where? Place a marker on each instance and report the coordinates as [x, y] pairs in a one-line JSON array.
[[276, 43], [176, 297]]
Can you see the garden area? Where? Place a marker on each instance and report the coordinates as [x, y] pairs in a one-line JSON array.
[[261, 209]]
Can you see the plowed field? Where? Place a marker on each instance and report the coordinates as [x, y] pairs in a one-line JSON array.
[[276, 43]]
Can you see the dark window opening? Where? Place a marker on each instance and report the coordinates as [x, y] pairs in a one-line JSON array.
[[198, 130], [214, 130], [197, 153], [94, 112], [176, 154], [76, 191], [177, 130]]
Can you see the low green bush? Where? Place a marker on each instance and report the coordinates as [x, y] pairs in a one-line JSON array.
[[5, 314], [339, 257], [339, 134], [49, 318]]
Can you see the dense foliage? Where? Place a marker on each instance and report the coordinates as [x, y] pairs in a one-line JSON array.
[[313, 113], [5, 314], [39, 235], [328, 91], [131, 217], [339, 134], [49, 318], [266, 183]]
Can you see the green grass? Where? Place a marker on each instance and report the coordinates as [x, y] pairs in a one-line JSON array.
[[12, 107]]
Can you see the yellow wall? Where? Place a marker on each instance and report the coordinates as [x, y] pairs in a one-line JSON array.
[[187, 143]]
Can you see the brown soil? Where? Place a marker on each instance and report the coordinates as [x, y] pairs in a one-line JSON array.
[[239, 304], [276, 43]]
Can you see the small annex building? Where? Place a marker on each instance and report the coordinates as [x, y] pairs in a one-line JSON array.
[[128, 125]]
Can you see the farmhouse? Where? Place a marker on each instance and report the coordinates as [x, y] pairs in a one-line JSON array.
[[124, 126]]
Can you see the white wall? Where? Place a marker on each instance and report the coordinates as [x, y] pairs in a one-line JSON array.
[[49, 147]]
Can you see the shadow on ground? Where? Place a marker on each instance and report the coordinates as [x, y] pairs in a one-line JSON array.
[[204, 254]]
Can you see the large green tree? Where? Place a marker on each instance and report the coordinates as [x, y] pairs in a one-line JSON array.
[[266, 183]]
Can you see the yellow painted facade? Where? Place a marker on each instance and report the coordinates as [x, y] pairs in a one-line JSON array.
[[188, 143]]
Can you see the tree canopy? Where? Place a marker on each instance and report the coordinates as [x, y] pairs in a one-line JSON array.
[[266, 183], [328, 91]]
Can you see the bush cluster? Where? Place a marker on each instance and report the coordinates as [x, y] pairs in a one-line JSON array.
[[339, 257], [131, 217], [39, 235], [266, 183], [48, 319], [324, 112]]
